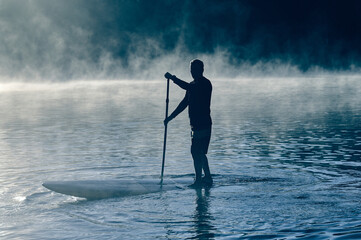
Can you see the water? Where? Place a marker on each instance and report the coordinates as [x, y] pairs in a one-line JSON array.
[[285, 153]]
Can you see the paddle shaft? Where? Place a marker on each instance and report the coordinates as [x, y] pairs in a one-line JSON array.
[[165, 131]]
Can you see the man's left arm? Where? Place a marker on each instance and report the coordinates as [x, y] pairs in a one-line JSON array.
[[179, 82]]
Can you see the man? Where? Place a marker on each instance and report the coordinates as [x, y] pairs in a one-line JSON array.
[[198, 100]]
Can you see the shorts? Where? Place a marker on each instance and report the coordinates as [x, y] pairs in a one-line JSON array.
[[200, 141]]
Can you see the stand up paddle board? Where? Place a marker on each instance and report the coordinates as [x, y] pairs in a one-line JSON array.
[[99, 189]]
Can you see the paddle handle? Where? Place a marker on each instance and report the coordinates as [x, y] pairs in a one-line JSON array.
[[165, 131]]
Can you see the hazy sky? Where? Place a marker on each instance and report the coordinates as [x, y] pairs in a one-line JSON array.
[[124, 38]]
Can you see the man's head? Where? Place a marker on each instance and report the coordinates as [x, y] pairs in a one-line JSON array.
[[197, 68]]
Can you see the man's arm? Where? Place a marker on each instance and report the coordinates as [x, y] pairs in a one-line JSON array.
[[181, 106], [177, 81]]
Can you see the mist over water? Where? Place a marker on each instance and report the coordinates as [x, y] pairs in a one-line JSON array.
[[82, 96], [89, 39]]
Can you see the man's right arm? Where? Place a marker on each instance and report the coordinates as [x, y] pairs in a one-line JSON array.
[[181, 106]]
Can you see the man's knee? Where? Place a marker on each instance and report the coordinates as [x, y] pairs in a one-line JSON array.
[[198, 154], [196, 151]]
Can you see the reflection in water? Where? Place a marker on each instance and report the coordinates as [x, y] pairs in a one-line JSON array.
[[286, 157], [202, 218]]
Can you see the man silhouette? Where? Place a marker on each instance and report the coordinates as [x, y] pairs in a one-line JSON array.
[[198, 100]]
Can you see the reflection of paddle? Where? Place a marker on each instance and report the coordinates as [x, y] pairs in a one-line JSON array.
[[165, 131]]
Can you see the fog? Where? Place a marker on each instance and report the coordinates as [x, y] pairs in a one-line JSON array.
[[48, 40]]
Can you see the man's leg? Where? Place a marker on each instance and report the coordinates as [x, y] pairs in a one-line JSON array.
[[199, 149], [207, 180], [198, 163], [205, 166], [197, 160]]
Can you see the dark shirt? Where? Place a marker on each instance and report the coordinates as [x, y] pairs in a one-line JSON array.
[[198, 100]]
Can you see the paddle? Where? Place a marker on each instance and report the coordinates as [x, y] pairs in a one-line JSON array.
[[165, 132]]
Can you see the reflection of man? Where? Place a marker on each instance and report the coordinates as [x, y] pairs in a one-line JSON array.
[[198, 100], [203, 219]]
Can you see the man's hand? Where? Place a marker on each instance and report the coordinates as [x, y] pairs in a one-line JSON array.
[[167, 120], [167, 75]]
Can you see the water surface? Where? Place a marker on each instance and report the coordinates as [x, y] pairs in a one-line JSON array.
[[285, 154]]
